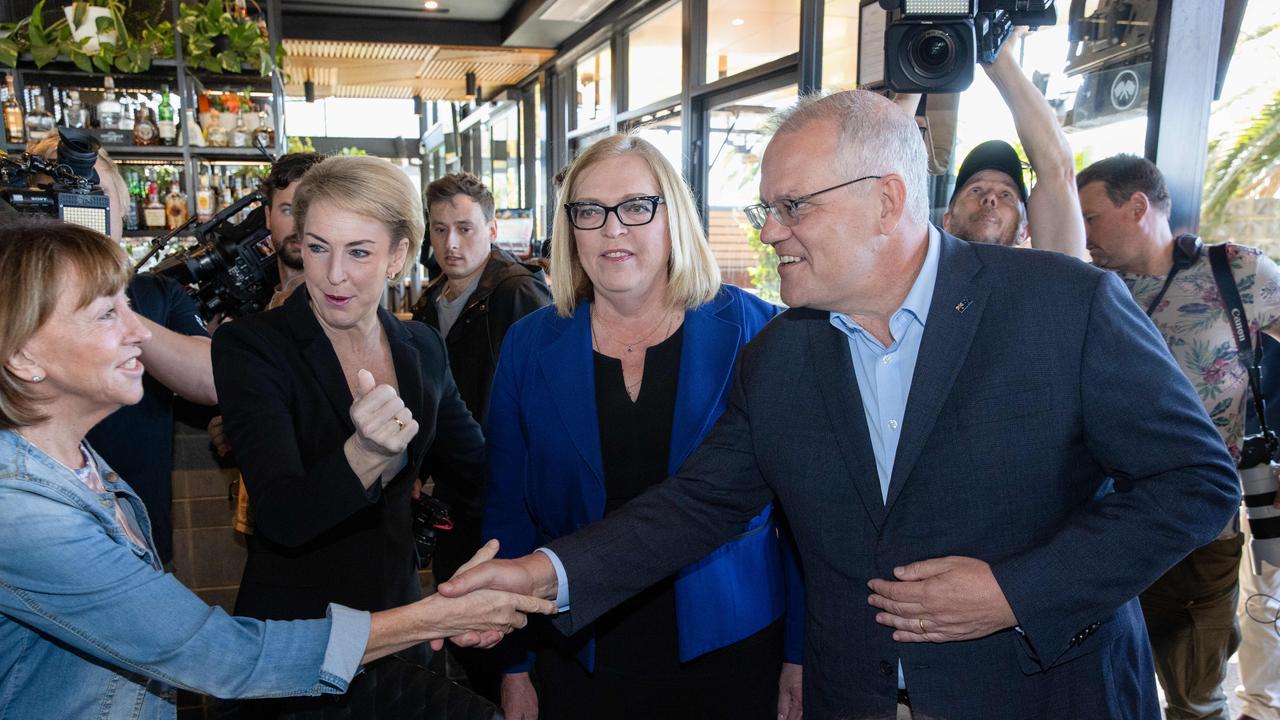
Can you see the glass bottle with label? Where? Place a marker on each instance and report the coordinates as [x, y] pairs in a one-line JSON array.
[[204, 200], [240, 135], [175, 208], [39, 120], [109, 108], [168, 129], [145, 130], [215, 135], [75, 113], [264, 134], [15, 125], [153, 214], [131, 206]]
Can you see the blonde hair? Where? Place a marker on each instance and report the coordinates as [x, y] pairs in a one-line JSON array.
[[367, 186], [38, 259], [693, 277]]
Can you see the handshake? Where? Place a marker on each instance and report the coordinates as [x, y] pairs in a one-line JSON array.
[[477, 607]]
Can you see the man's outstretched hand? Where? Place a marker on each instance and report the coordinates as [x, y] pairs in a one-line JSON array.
[[532, 575]]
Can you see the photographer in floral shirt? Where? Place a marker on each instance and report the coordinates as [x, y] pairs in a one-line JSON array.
[[1191, 611]]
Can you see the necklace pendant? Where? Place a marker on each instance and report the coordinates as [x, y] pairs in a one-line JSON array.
[[628, 349]]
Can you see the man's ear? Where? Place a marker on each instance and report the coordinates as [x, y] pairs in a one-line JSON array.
[[893, 202], [493, 231], [946, 222], [1139, 205]]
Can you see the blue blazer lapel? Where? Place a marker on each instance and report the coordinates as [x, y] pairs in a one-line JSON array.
[[831, 368], [954, 315], [707, 354], [568, 369]]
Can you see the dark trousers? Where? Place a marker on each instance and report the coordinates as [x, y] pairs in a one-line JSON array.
[[1191, 620]]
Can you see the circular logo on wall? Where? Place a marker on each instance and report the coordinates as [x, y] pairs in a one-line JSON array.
[[1124, 90]]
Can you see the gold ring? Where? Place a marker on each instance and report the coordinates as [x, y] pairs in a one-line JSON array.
[[921, 621], [399, 423]]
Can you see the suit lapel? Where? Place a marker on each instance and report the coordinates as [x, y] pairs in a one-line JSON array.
[[707, 355], [832, 371], [567, 369], [954, 315], [318, 353], [407, 362]]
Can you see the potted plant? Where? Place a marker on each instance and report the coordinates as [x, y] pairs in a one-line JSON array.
[[90, 33], [219, 40]]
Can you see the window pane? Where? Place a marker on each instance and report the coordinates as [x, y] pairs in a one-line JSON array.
[[663, 130], [577, 145], [736, 145], [742, 34], [653, 59], [595, 88], [839, 45], [351, 117], [506, 159]]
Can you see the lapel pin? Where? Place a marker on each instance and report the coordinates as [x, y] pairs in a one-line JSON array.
[[963, 305]]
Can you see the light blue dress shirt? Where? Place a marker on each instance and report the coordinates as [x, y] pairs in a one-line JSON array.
[[883, 375]]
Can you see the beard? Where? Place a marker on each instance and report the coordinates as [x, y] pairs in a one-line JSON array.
[[289, 252], [978, 228]]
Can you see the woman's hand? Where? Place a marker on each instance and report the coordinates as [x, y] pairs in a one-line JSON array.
[[519, 699], [790, 692], [384, 426]]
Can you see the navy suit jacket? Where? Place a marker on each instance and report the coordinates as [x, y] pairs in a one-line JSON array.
[[546, 476], [1037, 380]]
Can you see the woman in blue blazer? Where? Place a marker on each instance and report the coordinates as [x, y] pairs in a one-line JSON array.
[[605, 394]]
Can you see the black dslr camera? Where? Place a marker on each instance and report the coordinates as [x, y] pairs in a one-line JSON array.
[[930, 46], [430, 518], [67, 189], [232, 270]]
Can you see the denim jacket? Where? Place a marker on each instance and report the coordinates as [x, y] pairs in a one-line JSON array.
[[90, 626]]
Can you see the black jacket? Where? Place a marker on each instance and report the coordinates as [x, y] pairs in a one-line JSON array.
[[508, 290], [320, 537]]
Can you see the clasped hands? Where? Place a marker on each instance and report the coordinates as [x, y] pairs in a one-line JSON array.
[[941, 600], [531, 577]]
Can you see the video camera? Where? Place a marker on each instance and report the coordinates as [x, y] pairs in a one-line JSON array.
[[931, 46], [232, 269], [71, 194]]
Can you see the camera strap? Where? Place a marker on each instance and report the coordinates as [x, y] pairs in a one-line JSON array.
[[1239, 323]]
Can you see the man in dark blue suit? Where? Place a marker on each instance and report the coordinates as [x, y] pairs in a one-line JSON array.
[[985, 454]]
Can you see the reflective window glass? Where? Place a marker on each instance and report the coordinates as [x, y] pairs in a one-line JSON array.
[[739, 134], [654, 55], [742, 34], [663, 130], [839, 45], [593, 75]]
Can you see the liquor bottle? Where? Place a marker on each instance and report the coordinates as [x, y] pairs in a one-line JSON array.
[[131, 206], [195, 136], [264, 135], [153, 213], [168, 130], [215, 135], [240, 136], [128, 111], [75, 114], [15, 125], [109, 109], [175, 208], [204, 200], [39, 120], [145, 130], [204, 109]]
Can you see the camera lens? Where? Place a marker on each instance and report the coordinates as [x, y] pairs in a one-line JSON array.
[[932, 52]]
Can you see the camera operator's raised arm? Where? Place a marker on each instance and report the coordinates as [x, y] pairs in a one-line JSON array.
[[1053, 206]]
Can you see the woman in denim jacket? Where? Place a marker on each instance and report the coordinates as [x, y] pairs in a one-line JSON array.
[[90, 626]]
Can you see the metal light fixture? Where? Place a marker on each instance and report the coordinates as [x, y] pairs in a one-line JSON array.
[[417, 105], [309, 90], [470, 78]]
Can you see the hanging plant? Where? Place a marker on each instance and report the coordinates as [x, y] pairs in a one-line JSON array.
[[89, 33], [217, 40]]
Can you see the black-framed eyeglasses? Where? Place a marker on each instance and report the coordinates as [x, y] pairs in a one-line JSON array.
[[634, 211], [788, 211]]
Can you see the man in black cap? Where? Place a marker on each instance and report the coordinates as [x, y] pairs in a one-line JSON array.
[[991, 203]]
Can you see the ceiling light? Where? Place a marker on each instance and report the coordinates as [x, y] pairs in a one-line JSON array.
[[431, 5], [738, 22]]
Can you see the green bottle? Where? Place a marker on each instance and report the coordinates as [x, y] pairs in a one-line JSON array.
[[168, 131]]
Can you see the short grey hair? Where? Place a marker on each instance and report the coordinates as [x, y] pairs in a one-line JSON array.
[[876, 138]]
